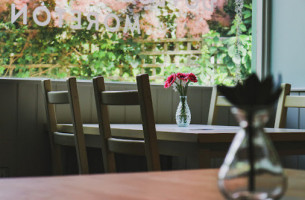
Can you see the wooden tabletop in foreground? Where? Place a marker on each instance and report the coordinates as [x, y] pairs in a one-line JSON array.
[[171, 185]]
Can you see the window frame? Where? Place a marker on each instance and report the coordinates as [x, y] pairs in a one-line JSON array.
[[262, 37]]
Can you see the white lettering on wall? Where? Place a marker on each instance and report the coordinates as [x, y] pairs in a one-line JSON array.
[[23, 12], [60, 12], [76, 19], [93, 21], [92, 17], [37, 11], [117, 26], [135, 26]]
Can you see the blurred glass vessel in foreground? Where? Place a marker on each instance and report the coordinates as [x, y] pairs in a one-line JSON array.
[[252, 171]]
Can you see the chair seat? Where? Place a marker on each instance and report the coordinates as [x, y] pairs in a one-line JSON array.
[[126, 146], [66, 139]]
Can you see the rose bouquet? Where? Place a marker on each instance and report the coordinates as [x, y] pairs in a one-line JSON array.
[[180, 82]]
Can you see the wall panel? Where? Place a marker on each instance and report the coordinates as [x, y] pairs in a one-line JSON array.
[[27, 110], [195, 104], [85, 99], [165, 106], [205, 101], [9, 110]]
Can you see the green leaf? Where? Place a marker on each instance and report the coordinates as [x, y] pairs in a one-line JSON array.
[[232, 51], [247, 14], [243, 28], [216, 39]]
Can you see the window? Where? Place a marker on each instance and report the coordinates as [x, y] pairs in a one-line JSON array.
[[60, 38]]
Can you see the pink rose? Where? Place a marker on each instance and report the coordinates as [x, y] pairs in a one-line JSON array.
[[182, 76], [170, 80], [166, 85], [192, 77]]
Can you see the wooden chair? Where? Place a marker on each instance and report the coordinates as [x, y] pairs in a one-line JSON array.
[[59, 139], [216, 101], [111, 145], [286, 101]]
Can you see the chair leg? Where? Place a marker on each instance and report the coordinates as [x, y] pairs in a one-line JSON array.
[[57, 165], [82, 161], [109, 162]]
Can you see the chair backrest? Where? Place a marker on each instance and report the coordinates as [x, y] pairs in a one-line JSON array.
[[57, 139], [111, 145], [216, 101], [285, 101]]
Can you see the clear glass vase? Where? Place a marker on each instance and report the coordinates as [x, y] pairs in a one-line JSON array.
[[252, 169], [183, 113]]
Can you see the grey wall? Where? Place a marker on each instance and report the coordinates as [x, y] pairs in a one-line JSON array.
[[288, 41], [287, 57]]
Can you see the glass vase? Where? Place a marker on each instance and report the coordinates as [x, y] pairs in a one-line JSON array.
[[183, 113], [252, 169]]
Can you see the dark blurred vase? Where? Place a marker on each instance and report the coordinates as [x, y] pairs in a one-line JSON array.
[[252, 169]]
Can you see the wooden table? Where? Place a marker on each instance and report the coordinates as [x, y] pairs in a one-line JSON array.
[[173, 185], [199, 143]]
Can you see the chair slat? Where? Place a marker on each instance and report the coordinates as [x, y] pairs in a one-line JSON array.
[[66, 139], [129, 97], [79, 138], [295, 101], [148, 121], [216, 101], [56, 152], [58, 97], [281, 110], [125, 146]]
